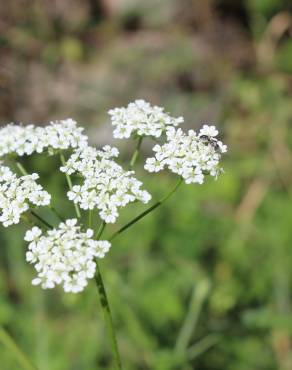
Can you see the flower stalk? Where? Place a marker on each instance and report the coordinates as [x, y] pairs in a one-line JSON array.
[[69, 182], [90, 218], [60, 217], [107, 316], [47, 224], [147, 211], [21, 169], [100, 230], [136, 152]]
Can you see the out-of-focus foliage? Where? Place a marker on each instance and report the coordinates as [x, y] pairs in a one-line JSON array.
[[205, 282]]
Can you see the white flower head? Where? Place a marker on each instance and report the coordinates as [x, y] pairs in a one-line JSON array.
[[142, 119], [64, 256], [17, 194], [191, 156], [106, 185], [25, 140]]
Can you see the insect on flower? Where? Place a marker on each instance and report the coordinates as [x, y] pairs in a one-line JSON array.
[[208, 136]]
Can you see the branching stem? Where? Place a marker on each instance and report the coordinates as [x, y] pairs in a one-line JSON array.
[[69, 182], [100, 230], [147, 211], [136, 152], [47, 224]]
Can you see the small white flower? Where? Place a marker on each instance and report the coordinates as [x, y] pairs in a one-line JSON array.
[[102, 247], [153, 165], [33, 234], [109, 215], [210, 131], [75, 194], [71, 223], [36, 281]]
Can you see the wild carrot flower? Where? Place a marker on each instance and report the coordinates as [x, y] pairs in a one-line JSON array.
[[64, 256], [63, 134], [105, 184], [142, 119], [17, 194], [190, 155]]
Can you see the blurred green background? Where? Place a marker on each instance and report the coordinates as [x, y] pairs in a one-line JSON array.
[[205, 282]]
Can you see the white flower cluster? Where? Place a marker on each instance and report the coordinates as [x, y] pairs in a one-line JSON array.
[[189, 155], [23, 140], [64, 256], [106, 185], [16, 195], [142, 119]]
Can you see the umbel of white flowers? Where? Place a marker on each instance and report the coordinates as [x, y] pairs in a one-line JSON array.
[[17, 194], [142, 119], [189, 155], [106, 186], [65, 255], [25, 140]]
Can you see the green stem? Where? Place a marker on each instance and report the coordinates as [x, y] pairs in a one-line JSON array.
[[136, 152], [108, 317], [22, 170], [69, 182], [90, 218], [100, 230], [49, 226], [148, 210], [61, 218], [105, 305], [12, 346]]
